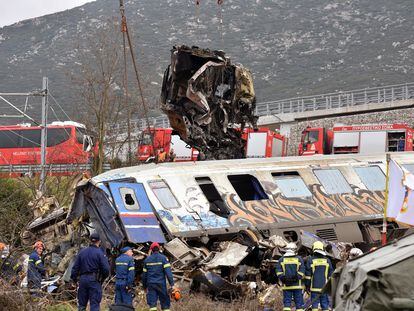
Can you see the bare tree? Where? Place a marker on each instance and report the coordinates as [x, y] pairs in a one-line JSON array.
[[100, 82]]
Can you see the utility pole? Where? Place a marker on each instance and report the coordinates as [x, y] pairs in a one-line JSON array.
[[43, 142]]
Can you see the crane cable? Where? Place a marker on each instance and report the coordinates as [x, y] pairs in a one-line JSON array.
[[125, 32]]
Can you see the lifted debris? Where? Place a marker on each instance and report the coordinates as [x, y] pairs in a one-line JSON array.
[[208, 101]]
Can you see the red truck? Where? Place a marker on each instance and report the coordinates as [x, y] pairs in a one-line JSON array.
[[261, 143], [361, 139]]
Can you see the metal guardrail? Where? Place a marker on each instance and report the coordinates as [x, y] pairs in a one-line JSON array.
[[50, 168], [323, 102]]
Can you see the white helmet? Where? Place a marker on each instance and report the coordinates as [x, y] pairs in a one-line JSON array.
[[354, 253], [291, 249]]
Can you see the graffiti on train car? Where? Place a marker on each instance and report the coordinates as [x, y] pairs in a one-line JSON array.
[[320, 205], [278, 208]]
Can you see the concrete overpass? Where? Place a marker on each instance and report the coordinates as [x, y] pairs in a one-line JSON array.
[[282, 114]]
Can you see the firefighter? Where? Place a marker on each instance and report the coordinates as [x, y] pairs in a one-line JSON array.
[[156, 268], [36, 269], [10, 268], [290, 270], [125, 275], [318, 271], [91, 268], [354, 253]]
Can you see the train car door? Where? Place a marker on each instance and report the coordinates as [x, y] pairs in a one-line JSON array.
[[135, 211]]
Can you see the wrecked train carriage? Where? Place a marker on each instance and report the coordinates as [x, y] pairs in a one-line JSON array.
[[208, 101], [338, 198]]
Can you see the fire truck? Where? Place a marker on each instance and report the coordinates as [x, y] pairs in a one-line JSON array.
[[361, 139], [261, 143], [68, 148]]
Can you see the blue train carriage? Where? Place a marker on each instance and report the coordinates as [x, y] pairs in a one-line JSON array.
[[336, 197]]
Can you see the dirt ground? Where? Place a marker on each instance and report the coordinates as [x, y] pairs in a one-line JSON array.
[[12, 299]]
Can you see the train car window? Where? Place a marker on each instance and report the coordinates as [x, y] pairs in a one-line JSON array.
[[56, 136], [164, 194], [333, 181], [247, 187], [291, 185], [217, 204], [9, 139], [129, 198], [409, 167], [30, 138], [372, 177], [80, 133]]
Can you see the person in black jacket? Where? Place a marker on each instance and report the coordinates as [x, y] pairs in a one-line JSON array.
[[91, 268]]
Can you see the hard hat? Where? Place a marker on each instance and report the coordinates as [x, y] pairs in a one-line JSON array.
[[318, 245], [154, 245], [94, 237], [2, 246], [290, 249], [175, 294], [354, 253], [38, 244], [125, 249]]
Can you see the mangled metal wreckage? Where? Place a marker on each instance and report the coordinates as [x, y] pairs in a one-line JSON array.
[[208, 101], [197, 208]]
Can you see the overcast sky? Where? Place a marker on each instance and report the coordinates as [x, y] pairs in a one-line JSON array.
[[12, 11]]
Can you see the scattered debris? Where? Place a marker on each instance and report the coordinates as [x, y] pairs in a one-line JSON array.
[[208, 101]]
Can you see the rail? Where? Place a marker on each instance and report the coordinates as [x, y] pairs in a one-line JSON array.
[[322, 102]]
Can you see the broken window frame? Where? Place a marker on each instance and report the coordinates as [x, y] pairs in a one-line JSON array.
[[243, 193], [161, 198], [328, 183], [216, 202], [282, 180], [129, 207], [371, 182]]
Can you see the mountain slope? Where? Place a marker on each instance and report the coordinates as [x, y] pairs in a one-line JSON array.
[[293, 48]]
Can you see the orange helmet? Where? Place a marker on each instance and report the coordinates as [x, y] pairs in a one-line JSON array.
[[2, 246], [39, 244], [175, 294]]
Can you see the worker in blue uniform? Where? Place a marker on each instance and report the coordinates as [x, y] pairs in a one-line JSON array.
[[318, 271], [91, 268], [36, 269], [156, 269], [125, 275], [9, 267], [290, 270]]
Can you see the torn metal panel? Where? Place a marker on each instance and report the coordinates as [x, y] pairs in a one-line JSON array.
[[231, 256], [94, 202], [205, 97], [308, 238], [181, 252]]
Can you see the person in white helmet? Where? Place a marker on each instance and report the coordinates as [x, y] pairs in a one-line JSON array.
[[354, 253], [290, 270]]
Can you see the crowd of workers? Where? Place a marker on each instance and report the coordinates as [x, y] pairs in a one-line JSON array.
[[91, 268], [297, 275]]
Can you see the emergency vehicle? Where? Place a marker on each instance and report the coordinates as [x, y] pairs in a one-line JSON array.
[[361, 139], [260, 143], [68, 145]]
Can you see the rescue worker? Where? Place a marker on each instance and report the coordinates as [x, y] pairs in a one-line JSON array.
[[91, 268], [9, 268], [318, 271], [125, 275], [36, 269], [354, 253], [156, 269], [290, 270]]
